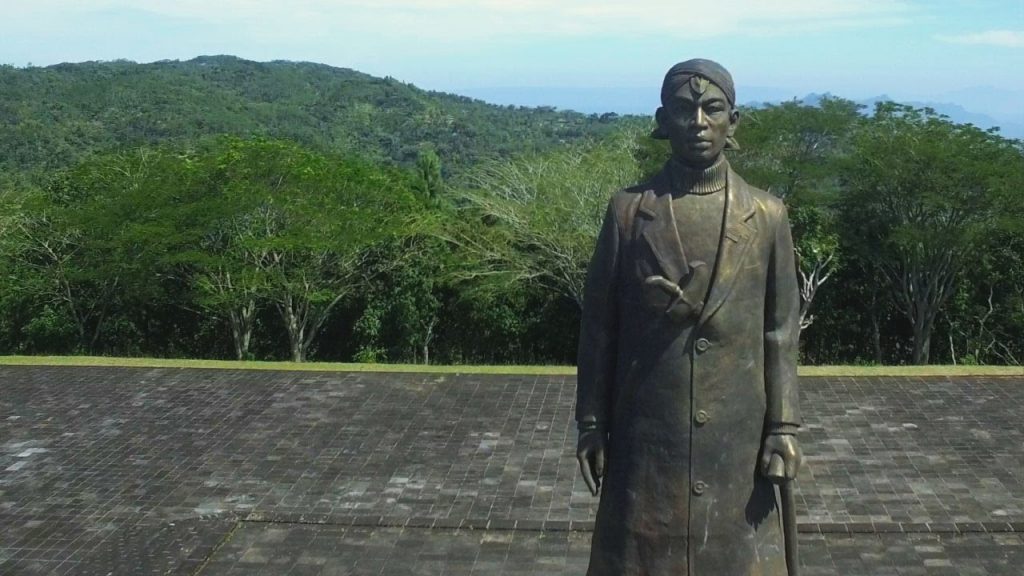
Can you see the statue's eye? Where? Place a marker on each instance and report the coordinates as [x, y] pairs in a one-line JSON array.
[[681, 109]]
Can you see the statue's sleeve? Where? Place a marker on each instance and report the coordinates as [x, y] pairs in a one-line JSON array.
[[596, 359], [782, 330]]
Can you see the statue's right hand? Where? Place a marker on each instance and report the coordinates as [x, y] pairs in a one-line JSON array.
[[590, 453], [663, 284]]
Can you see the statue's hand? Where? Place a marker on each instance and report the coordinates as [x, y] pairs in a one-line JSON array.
[[781, 457], [686, 300], [590, 452], [664, 284]]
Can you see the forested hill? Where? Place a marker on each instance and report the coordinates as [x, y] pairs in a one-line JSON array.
[[51, 117]]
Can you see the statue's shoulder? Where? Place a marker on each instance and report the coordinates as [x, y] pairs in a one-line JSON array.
[[629, 195], [764, 201], [626, 201]]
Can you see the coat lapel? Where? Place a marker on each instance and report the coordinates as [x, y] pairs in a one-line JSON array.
[[734, 244], [660, 231]]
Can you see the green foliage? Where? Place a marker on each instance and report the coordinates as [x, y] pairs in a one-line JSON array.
[[300, 229], [536, 218], [54, 117], [792, 150], [921, 193], [984, 323], [337, 216], [403, 301], [85, 246], [429, 184]]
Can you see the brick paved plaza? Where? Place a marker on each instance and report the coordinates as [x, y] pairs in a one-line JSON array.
[[213, 472]]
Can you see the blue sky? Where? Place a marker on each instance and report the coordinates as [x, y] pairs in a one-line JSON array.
[[907, 49]]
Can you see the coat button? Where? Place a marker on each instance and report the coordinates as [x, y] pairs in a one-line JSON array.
[[703, 344], [701, 417], [698, 488]]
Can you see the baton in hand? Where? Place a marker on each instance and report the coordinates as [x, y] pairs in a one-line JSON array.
[[776, 472]]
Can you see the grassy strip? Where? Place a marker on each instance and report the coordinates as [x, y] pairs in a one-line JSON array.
[[259, 365], [528, 370], [933, 370]]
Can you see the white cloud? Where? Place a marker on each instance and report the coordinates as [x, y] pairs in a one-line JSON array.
[[458, 21], [1003, 38]]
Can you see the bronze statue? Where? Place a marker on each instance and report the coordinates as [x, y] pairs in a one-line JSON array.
[[687, 387]]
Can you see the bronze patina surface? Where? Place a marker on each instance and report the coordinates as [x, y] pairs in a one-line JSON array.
[[687, 387]]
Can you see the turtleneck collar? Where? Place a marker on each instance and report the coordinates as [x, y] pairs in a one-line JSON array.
[[699, 181]]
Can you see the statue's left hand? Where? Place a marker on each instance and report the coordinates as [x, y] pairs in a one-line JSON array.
[[590, 453], [781, 457]]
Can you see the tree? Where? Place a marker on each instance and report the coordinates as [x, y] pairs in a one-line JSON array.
[[86, 244], [536, 218], [404, 302], [31, 313], [984, 323], [227, 276], [817, 253], [303, 226], [921, 192], [792, 150], [429, 184]]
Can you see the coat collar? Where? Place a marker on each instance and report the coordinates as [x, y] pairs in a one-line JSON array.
[[734, 245], [662, 235], [661, 232]]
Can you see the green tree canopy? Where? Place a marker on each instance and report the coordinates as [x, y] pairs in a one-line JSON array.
[[921, 194]]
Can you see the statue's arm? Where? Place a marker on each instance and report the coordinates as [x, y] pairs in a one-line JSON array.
[[782, 330], [781, 337], [596, 359], [599, 327]]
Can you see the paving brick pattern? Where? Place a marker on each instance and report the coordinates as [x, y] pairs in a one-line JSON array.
[[147, 471], [269, 549], [946, 453]]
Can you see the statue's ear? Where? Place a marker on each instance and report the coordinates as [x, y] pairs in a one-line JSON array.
[[730, 137], [659, 132], [734, 121]]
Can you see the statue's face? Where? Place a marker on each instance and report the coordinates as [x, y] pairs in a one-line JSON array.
[[698, 119]]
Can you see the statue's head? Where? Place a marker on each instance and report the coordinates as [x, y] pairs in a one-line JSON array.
[[698, 114]]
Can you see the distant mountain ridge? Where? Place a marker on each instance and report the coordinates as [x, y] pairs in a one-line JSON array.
[[955, 112], [52, 116], [644, 100]]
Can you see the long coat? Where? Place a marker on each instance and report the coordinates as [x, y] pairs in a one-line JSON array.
[[687, 405]]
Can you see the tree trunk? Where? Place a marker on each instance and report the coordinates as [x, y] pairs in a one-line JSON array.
[[876, 338], [236, 335], [101, 316], [922, 340], [427, 338], [295, 328], [241, 321], [876, 329], [809, 284], [83, 340], [297, 340]]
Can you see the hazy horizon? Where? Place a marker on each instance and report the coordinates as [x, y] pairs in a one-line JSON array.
[[983, 107], [964, 52]]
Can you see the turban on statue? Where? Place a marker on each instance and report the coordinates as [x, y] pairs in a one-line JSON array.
[[682, 72], [713, 71]]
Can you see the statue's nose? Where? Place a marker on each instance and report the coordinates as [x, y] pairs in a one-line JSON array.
[[699, 117]]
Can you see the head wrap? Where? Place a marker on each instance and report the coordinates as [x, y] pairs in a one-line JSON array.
[[681, 73], [713, 71]]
